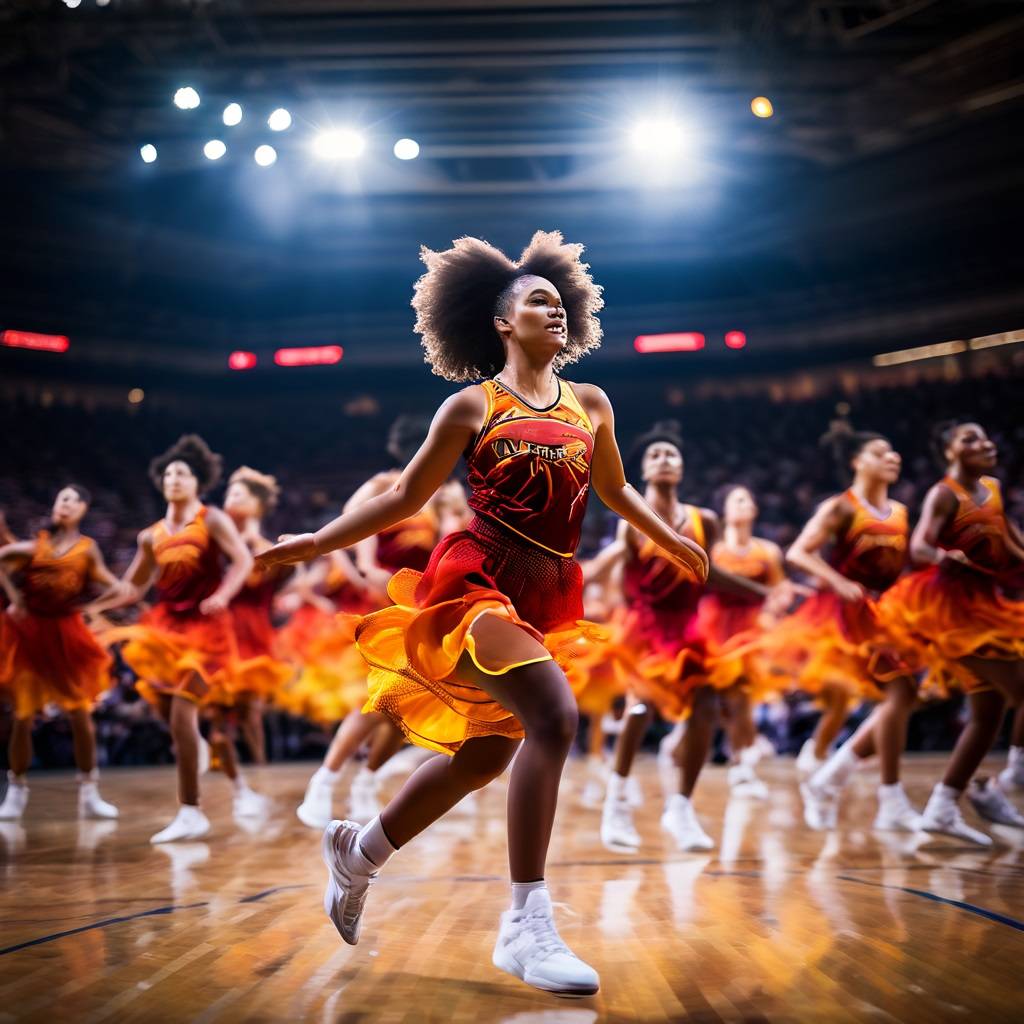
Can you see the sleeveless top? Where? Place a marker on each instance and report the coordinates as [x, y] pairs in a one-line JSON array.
[[654, 581], [529, 469], [873, 550], [759, 563], [189, 564], [52, 583], [408, 544], [979, 530]]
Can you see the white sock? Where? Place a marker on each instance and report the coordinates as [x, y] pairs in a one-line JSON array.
[[189, 810], [374, 845], [616, 791], [890, 792], [17, 780], [325, 775], [93, 775], [947, 794], [522, 890], [241, 786], [836, 771]]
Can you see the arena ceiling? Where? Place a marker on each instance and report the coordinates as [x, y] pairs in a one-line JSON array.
[[882, 204]]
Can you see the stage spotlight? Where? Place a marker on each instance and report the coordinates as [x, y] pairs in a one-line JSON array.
[[761, 106], [735, 339], [658, 137], [72, 3], [148, 153], [102, 3], [214, 149], [186, 98], [136, 395], [265, 155], [280, 120], [344, 144], [233, 114], [407, 149]]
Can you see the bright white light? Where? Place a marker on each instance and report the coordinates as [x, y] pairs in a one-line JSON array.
[[102, 3], [148, 153], [232, 114], [214, 149], [658, 137], [265, 155], [186, 98], [72, 3], [343, 144], [279, 120], [407, 149]]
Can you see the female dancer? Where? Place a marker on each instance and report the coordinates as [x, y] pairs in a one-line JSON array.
[[405, 545], [463, 662], [850, 651], [250, 497], [956, 615], [671, 673], [183, 649], [47, 654], [724, 618]]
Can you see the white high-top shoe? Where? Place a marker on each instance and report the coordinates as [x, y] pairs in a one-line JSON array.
[[315, 809], [347, 880], [989, 800], [90, 803], [895, 811], [680, 821], [364, 805], [530, 948], [16, 798], [942, 814], [188, 823]]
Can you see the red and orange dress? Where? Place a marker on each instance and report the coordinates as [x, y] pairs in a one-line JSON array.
[[727, 621], [261, 672], [174, 649], [829, 642], [529, 475], [948, 612], [661, 624], [47, 654]]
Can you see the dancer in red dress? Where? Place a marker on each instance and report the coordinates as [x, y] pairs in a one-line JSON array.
[[956, 615], [47, 654], [465, 661], [183, 649]]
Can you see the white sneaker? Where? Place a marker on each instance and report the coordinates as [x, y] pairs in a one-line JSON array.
[[895, 812], [15, 801], [315, 809], [680, 821], [989, 801], [347, 881], [821, 805], [617, 829], [530, 948], [764, 746], [363, 803], [1012, 776], [249, 804], [91, 804], [942, 814], [634, 792], [189, 823], [743, 782], [807, 763]]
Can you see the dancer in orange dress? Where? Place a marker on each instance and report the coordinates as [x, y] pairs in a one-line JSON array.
[[725, 619], [671, 672], [849, 650], [465, 661], [183, 649], [406, 545], [956, 615], [47, 654]]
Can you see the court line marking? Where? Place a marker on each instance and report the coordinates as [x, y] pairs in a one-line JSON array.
[[154, 912], [990, 915]]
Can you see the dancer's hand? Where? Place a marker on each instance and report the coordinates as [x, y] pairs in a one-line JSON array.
[[215, 603], [847, 589], [290, 549], [692, 557]]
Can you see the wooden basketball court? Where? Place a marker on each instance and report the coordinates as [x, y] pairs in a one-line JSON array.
[[778, 924]]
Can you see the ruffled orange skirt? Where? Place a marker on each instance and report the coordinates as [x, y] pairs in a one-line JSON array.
[[938, 616], [604, 671], [259, 673], [828, 642], [47, 660], [730, 631], [413, 646], [192, 656]]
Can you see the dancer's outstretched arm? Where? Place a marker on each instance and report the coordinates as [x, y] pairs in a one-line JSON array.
[[454, 426], [610, 483]]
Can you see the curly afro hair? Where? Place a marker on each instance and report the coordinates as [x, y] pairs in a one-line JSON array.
[[262, 486], [195, 453], [406, 435], [466, 286]]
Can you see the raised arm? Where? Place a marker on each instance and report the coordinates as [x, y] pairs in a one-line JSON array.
[[830, 519], [454, 426], [609, 480], [240, 561]]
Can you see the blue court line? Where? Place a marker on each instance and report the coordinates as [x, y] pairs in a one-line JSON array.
[[155, 912], [989, 915]]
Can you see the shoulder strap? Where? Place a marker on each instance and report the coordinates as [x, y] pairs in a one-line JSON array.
[[697, 524]]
